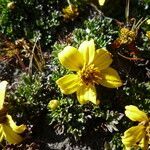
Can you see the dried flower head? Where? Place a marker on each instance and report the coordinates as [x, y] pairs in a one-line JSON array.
[[70, 12]]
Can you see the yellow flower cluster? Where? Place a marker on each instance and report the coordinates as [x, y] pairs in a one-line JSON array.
[[137, 136], [8, 129], [92, 67]]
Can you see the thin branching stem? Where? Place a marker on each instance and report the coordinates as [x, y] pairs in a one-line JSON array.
[[32, 55]]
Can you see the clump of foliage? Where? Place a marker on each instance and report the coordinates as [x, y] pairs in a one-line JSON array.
[[28, 17], [30, 97], [76, 120], [41, 25], [99, 28]]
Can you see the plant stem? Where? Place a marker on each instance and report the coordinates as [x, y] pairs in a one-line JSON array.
[[127, 11]]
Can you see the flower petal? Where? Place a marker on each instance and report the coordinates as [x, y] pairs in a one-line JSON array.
[[134, 114], [110, 78], [144, 143], [11, 136], [87, 49], [102, 59], [68, 84], [133, 135], [15, 128], [71, 58], [1, 133], [101, 2], [86, 93], [3, 85]]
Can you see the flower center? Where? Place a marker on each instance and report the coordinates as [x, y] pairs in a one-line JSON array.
[[90, 75]]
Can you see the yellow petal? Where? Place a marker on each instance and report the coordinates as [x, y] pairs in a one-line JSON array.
[[11, 136], [68, 84], [127, 148], [87, 49], [86, 93], [1, 133], [102, 59], [71, 58], [101, 2], [3, 85], [134, 114], [133, 135], [15, 128], [144, 143], [110, 78]]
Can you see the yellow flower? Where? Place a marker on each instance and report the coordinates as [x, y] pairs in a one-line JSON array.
[[53, 104], [91, 67], [8, 129], [137, 136], [70, 12], [101, 2]]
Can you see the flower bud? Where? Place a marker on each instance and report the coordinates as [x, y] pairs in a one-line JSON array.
[[53, 104]]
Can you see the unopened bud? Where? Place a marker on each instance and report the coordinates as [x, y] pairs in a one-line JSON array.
[[53, 104]]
